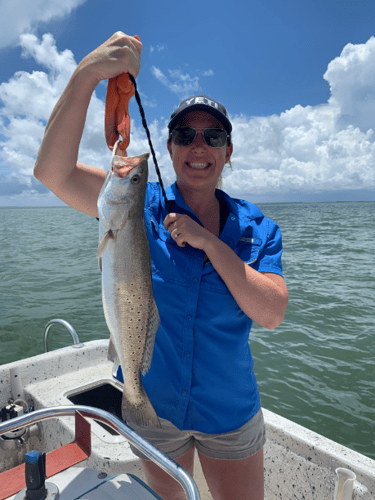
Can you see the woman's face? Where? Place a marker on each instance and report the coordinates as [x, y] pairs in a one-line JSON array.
[[199, 166]]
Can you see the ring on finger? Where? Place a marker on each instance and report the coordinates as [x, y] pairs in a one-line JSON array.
[[175, 235]]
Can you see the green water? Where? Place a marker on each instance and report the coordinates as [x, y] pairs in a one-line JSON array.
[[316, 369]]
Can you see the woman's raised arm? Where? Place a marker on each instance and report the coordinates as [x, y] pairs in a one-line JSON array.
[[76, 184]]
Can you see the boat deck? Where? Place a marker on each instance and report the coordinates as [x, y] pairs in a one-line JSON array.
[[298, 463]]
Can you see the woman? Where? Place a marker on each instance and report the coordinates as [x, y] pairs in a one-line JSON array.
[[207, 288]]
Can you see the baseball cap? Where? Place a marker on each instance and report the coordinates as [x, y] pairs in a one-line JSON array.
[[202, 103]]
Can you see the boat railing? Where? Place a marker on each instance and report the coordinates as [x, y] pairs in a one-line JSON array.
[[163, 461], [68, 326]]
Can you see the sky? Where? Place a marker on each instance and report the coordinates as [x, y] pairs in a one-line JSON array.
[[296, 76]]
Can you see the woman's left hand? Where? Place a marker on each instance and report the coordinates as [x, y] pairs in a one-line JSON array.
[[262, 296], [184, 230]]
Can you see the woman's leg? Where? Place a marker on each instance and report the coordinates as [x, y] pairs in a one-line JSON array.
[[241, 479], [162, 483]]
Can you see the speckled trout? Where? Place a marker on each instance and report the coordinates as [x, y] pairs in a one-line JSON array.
[[128, 302]]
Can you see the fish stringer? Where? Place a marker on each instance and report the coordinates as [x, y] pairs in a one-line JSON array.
[[117, 119]]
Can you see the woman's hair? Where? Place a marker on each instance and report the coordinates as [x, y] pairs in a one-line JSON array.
[[219, 183]]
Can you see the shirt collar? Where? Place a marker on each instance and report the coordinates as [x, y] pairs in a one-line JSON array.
[[242, 210], [173, 194]]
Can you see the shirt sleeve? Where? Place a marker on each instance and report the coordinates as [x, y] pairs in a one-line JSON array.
[[269, 259]]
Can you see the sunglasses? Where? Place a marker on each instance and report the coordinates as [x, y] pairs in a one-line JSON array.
[[214, 137]]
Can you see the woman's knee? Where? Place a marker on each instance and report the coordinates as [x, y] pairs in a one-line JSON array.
[[162, 483]]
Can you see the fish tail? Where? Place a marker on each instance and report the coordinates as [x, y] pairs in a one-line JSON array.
[[142, 413]]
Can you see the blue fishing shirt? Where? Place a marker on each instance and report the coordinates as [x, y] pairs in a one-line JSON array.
[[201, 376]]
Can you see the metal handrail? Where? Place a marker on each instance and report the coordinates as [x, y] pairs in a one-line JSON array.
[[67, 325], [163, 461]]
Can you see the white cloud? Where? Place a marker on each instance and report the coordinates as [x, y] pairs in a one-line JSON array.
[[300, 150], [24, 16], [28, 100], [351, 78], [324, 148], [34, 94], [183, 85], [158, 48], [328, 147], [146, 101]]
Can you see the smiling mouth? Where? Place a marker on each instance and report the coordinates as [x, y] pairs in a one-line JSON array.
[[198, 165]]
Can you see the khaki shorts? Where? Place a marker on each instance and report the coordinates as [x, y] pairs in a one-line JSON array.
[[241, 443]]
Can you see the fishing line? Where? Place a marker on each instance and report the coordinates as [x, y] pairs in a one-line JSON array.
[[144, 123]]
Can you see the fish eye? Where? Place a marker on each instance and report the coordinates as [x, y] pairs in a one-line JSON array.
[[135, 179]]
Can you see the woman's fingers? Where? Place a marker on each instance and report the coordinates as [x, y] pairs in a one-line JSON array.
[[119, 54]]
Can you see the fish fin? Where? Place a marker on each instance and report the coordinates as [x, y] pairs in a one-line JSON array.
[[142, 413], [113, 356], [109, 235], [153, 326], [112, 353]]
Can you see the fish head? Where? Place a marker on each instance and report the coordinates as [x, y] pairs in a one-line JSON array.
[[124, 190]]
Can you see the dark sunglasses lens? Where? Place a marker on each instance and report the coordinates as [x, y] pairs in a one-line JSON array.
[[215, 137], [183, 136]]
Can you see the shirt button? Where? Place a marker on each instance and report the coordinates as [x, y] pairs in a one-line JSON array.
[[232, 218], [183, 393], [186, 354], [195, 280], [188, 318]]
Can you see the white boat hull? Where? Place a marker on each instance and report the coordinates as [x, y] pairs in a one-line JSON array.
[[298, 463]]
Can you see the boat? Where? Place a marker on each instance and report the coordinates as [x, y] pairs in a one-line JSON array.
[[48, 401]]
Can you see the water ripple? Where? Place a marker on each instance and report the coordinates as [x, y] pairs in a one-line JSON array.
[[316, 368]]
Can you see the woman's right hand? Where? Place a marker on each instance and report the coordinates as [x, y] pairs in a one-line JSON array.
[[119, 54], [76, 184]]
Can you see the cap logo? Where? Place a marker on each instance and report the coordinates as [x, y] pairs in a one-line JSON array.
[[204, 100], [199, 100]]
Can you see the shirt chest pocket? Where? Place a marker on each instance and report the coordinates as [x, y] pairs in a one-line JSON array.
[[168, 260], [248, 249]]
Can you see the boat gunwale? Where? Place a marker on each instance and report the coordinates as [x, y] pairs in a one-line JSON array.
[[312, 448]]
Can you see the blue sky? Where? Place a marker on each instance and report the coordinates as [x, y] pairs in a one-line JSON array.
[[297, 77]]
